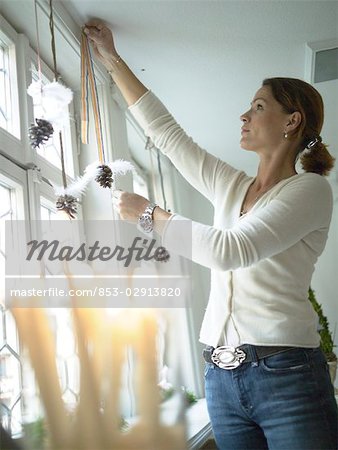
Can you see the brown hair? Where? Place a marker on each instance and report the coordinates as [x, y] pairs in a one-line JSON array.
[[297, 95]]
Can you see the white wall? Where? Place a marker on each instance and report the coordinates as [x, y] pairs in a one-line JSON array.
[[325, 278]]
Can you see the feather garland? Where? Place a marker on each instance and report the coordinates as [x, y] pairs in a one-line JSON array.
[[54, 99], [67, 198]]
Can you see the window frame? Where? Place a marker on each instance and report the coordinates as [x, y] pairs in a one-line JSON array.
[[311, 49], [9, 140], [15, 179], [9, 37], [48, 169]]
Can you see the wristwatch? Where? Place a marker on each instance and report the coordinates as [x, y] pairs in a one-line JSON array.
[[145, 221]]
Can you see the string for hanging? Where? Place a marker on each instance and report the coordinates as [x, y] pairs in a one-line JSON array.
[[53, 97], [38, 41], [65, 201], [51, 27], [56, 76], [40, 131], [88, 80], [161, 178]]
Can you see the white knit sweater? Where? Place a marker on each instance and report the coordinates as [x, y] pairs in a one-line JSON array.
[[262, 263]]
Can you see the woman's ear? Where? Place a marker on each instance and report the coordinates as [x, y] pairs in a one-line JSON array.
[[294, 120]]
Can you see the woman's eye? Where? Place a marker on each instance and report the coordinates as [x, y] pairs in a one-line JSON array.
[[258, 106]]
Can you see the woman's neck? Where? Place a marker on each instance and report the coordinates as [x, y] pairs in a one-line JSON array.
[[271, 172]]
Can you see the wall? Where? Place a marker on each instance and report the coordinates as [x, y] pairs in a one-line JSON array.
[[325, 280]]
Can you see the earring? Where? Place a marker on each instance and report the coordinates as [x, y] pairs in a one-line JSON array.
[[285, 135]]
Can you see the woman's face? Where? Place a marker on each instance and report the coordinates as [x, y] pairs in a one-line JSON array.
[[264, 124]]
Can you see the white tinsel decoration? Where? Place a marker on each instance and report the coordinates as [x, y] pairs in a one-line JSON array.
[[121, 167], [35, 91], [118, 167], [54, 99]]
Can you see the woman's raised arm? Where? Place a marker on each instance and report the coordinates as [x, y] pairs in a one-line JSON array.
[[102, 41]]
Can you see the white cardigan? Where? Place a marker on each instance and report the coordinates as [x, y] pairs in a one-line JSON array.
[[262, 263]]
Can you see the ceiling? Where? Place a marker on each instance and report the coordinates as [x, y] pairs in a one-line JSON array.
[[204, 59]]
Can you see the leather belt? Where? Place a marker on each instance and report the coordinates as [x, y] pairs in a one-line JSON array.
[[227, 357]]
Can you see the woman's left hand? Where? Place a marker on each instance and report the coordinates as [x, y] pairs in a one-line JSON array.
[[128, 205]]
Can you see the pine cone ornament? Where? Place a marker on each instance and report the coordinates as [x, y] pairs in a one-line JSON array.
[[67, 203], [40, 133], [161, 254], [105, 176]]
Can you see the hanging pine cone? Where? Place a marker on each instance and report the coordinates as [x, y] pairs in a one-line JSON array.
[[68, 204], [105, 176], [40, 132], [161, 254]]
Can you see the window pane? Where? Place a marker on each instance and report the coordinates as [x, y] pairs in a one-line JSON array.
[[47, 213], [140, 185], [51, 150], [10, 368], [61, 324], [5, 91]]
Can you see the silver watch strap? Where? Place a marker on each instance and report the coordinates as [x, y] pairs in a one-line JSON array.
[[145, 221]]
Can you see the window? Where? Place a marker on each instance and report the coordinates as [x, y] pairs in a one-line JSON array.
[[9, 110], [178, 319], [5, 104], [51, 150], [321, 61], [36, 192], [28, 194], [47, 209], [62, 327], [140, 185], [11, 208]]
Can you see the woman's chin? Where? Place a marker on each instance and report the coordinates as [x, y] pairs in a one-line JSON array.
[[245, 146]]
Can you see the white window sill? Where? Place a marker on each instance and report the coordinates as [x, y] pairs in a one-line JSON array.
[[198, 424]]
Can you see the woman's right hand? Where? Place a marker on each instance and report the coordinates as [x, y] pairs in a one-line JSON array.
[[102, 41]]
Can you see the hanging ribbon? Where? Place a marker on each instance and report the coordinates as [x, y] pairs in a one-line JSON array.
[[88, 80]]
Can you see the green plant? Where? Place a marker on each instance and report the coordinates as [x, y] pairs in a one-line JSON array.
[[326, 341], [189, 396], [35, 435]]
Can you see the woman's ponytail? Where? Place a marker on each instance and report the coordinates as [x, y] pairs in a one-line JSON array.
[[317, 159]]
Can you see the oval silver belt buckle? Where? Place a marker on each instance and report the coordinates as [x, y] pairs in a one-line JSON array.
[[227, 357]]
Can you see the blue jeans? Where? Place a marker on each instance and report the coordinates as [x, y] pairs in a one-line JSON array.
[[282, 402]]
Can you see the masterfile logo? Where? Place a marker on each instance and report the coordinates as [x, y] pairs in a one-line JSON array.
[[140, 249], [93, 264]]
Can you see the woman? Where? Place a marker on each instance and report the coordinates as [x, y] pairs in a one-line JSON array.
[[267, 381]]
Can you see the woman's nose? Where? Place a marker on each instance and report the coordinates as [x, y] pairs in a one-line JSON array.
[[244, 117]]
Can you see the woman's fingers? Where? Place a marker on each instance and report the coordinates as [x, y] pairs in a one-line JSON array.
[[93, 34], [99, 24], [129, 205], [97, 52], [101, 38]]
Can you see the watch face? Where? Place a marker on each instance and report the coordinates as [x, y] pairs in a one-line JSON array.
[[146, 222]]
